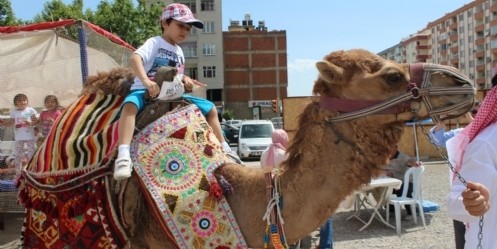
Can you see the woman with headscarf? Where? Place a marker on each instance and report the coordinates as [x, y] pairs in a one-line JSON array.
[[276, 152], [473, 153]]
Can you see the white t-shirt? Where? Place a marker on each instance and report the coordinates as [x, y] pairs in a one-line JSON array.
[[23, 131], [155, 53], [479, 164]]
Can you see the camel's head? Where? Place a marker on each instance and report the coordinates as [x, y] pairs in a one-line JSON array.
[[357, 83]]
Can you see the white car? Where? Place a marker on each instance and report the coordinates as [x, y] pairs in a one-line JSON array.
[[254, 136], [234, 122]]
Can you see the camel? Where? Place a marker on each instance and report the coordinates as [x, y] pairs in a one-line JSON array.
[[328, 158]]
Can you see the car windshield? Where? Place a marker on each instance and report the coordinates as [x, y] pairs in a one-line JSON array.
[[256, 131]]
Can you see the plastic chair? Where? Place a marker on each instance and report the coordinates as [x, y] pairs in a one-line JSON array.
[[417, 197]]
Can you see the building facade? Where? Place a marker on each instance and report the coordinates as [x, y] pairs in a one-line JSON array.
[[255, 63], [465, 38]]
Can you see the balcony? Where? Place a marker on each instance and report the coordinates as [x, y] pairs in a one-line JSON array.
[[480, 54], [419, 47], [479, 15], [454, 49], [421, 57], [453, 38], [454, 61], [480, 28], [480, 67], [480, 42], [481, 81]]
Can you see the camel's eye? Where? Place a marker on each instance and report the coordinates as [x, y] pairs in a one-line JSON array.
[[394, 78]]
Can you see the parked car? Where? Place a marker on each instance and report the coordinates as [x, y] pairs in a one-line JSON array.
[[254, 137], [230, 133], [235, 122], [277, 122]]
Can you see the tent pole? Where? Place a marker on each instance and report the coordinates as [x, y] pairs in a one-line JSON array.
[[82, 51]]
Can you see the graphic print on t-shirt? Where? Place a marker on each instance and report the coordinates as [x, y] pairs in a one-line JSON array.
[[164, 58]]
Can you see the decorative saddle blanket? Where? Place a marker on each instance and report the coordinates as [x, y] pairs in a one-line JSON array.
[[174, 158], [65, 187]]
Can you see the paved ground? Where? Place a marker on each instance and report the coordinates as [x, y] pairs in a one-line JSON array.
[[437, 235]]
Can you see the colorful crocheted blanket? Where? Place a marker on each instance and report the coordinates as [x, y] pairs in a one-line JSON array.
[[175, 158], [65, 187]]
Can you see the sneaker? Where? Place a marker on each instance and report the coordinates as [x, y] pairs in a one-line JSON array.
[[122, 168]]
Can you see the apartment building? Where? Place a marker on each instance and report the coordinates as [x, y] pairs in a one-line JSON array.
[[465, 38], [255, 62]]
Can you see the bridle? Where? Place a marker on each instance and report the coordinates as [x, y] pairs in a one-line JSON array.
[[419, 88]]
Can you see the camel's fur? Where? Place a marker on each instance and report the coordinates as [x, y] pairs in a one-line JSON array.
[[326, 161]]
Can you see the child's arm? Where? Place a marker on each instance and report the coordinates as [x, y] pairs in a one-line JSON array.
[[136, 64], [7, 122]]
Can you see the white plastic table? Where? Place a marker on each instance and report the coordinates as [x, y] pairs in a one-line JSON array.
[[384, 185]]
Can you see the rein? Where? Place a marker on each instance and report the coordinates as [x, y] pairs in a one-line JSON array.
[[418, 87]]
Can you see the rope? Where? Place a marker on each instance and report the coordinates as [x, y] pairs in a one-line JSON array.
[[277, 236]]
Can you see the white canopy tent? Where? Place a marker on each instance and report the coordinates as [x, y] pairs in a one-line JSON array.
[[42, 62]]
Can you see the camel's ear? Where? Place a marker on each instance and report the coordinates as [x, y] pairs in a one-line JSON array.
[[329, 72]]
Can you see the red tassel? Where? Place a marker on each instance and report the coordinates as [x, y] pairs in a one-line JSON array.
[[215, 191]]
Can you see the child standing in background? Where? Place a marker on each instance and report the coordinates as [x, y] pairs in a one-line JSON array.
[[23, 118], [48, 116]]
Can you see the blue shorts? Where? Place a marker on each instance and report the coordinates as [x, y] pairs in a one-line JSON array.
[[137, 97], [204, 105]]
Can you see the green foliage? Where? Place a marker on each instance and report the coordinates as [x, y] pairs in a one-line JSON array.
[[7, 17], [228, 114], [134, 23]]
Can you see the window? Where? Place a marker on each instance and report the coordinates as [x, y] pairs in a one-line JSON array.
[[209, 49], [207, 5], [209, 72], [191, 72], [208, 27], [215, 94], [189, 49], [193, 31], [192, 6]]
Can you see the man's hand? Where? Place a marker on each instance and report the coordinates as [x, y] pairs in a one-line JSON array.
[[476, 199]]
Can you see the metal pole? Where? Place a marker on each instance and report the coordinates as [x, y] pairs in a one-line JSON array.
[[82, 51]]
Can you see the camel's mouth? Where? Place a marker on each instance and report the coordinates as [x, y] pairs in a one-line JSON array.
[[445, 92]]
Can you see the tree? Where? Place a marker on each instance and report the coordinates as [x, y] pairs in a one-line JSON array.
[[56, 10], [133, 24], [7, 17]]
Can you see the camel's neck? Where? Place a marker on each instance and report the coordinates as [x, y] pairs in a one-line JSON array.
[[320, 172]]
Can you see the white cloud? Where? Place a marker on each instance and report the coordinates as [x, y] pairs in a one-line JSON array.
[[302, 65], [301, 76]]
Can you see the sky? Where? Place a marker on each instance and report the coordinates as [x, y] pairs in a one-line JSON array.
[[318, 27]]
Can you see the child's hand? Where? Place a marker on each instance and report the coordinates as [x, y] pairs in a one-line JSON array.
[[188, 83], [153, 88]]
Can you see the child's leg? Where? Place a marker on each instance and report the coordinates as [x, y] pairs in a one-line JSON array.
[[123, 165], [133, 103], [30, 148], [20, 156], [213, 121]]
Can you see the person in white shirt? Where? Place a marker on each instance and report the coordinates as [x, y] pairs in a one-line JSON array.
[[473, 153], [24, 119]]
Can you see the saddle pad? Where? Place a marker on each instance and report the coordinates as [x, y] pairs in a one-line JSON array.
[[65, 187], [175, 158]]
